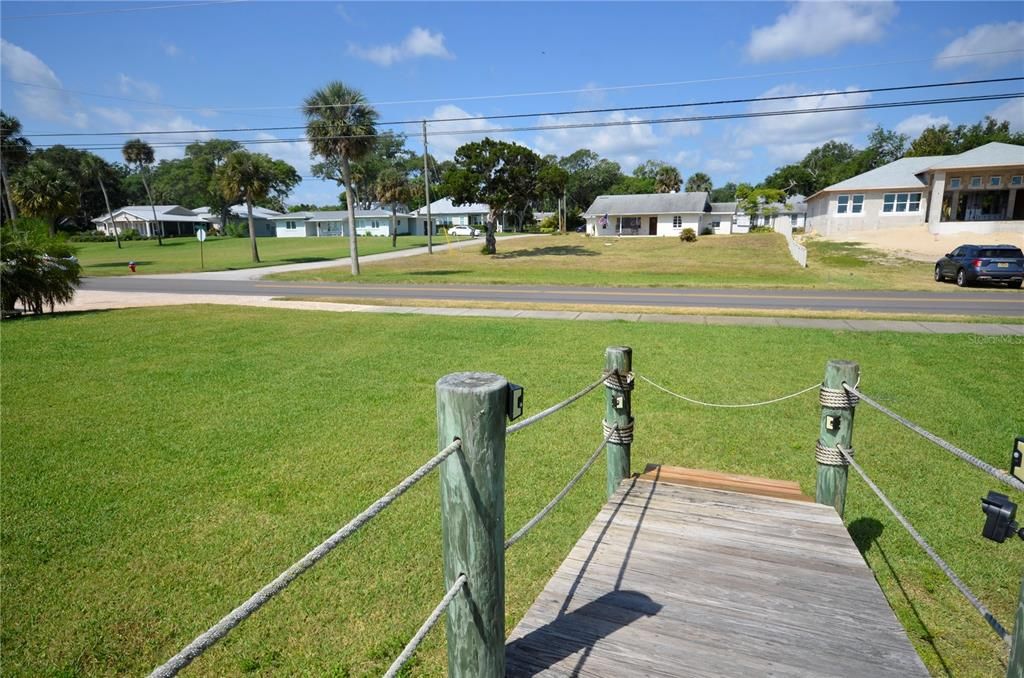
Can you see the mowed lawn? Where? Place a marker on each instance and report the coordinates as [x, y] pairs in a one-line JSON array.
[[160, 465], [181, 255], [753, 260]]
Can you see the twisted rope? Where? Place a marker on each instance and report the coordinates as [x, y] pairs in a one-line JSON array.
[[971, 598], [207, 639], [525, 529], [830, 456], [836, 398], [410, 648], [699, 402], [949, 447], [618, 380], [618, 434], [554, 408]]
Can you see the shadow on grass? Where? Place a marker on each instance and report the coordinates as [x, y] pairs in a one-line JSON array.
[[865, 533], [553, 251], [118, 264]]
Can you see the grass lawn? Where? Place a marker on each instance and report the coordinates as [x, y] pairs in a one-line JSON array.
[[160, 465], [181, 255], [754, 260]]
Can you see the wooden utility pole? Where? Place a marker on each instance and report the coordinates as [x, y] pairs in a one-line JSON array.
[[618, 411], [836, 429], [426, 192]]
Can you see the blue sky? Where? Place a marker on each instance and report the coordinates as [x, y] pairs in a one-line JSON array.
[[250, 64]]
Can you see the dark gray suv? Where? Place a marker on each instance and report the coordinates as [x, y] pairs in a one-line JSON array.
[[970, 264]]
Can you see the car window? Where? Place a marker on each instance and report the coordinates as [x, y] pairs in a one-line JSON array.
[[1001, 253], [958, 252]]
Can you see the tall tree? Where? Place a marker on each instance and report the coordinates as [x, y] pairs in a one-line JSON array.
[[43, 190], [94, 167], [760, 201], [14, 151], [668, 180], [392, 189], [254, 177], [590, 175], [792, 179], [341, 125], [726, 193], [698, 183], [649, 169], [140, 154], [553, 181]]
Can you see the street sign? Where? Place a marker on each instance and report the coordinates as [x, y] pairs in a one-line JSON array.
[[201, 237], [201, 234]]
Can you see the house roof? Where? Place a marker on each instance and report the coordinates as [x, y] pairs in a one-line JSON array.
[[445, 206], [163, 213], [332, 215], [239, 211], [724, 207], [902, 173], [652, 203], [994, 154]]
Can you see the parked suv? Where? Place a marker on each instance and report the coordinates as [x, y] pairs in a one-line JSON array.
[[969, 264]]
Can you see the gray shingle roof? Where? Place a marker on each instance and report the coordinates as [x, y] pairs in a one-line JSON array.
[[994, 154], [654, 203], [724, 207], [902, 173], [333, 215], [445, 206]]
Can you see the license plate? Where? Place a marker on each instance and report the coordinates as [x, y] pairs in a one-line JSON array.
[[1003, 264]]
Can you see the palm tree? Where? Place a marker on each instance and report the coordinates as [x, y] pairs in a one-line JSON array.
[[13, 149], [43, 190], [252, 176], [698, 183], [341, 125], [93, 166], [392, 189], [667, 179], [140, 154]]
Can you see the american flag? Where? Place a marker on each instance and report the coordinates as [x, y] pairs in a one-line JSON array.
[[603, 221]]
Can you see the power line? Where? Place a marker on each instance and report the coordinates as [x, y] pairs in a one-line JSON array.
[[120, 10], [589, 111], [582, 90], [608, 123]]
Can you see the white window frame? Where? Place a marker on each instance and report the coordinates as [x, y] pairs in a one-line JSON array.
[[848, 207], [954, 183], [677, 221], [975, 182], [995, 182], [906, 199]]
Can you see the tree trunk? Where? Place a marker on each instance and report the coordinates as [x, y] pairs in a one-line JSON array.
[[7, 191], [491, 245], [394, 226], [110, 214], [156, 223], [350, 198], [252, 231]]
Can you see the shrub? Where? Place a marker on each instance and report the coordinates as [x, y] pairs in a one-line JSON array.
[[688, 235], [762, 229], [36, 270], [130, 234], [549, 224], [237, 229], [91, 236]]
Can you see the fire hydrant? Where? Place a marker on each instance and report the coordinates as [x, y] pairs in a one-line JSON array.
[[131, 266]]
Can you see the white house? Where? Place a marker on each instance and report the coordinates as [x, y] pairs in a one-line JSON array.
[[445, 214], [238, 213], [974, 192], [659, 214], [335, 223], [793, 212], [171, 220]]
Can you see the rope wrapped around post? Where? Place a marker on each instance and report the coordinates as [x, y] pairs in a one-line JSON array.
[[836, 428], [830, 456]]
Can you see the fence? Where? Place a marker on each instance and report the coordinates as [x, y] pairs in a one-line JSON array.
[[472, 408], [796, 250]]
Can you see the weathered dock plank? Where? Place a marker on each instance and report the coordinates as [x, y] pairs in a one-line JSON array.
[[690, 580]]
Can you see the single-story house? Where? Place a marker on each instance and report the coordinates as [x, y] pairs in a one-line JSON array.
[[793, 210], [659, 214], [445, 214], [975, 191], [173, 220], [375, 221], [239, 213]]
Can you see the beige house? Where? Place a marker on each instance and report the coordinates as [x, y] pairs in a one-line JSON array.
[[974, 192]]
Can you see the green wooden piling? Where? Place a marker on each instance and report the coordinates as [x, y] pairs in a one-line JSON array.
[[1015, 669], [836, 429], [472, 406], [618, 411]]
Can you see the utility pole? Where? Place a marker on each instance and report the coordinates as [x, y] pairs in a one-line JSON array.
[[426, 192]]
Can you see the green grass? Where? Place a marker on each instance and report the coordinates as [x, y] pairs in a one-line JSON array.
[[181, 255], [160, 465], [754, 260]]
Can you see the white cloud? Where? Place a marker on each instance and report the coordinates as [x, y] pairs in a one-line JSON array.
[[813, 28], [171, 50], [46, 98], [340, 10], [295, 153], [134, 87], [790, 137], [1011, 111], [720, 166], [117, 117], [915, 124], [419, 43], [983, 41], [443, 146]]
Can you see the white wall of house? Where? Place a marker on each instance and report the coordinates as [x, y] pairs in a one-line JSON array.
[[720, 223], [824, 216], [294, 229], [668, 225]]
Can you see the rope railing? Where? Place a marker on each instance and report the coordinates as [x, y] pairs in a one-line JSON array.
[[949, 447], [208, 638], [525, 529], [967, 593], [757, 404], [431, 620], [533, 419]]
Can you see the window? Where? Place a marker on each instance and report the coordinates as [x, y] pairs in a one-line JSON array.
[[289, 225], [858, 204], [629, 223], [843, 204], [975, 182], [1015, 181], [954, 183], [850, 204], [901, 202], [995, 182], [792, 220], [677, 222]]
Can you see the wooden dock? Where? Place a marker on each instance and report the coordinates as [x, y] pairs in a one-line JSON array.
[[690, 573]]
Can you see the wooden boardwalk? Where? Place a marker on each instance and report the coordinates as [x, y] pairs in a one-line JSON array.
[[701, 574]]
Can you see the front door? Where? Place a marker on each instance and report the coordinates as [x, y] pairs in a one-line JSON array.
[[652, 226]]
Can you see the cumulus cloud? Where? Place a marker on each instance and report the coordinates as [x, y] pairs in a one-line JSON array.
[[43, 97], [442, 146], [790, 137], [814, 28], [295, 153], [171, 50], [915, 124], [419, 43], [1013, 112], [988, 46], [134, 87]]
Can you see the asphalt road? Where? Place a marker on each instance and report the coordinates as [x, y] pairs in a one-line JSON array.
[[995, 302]]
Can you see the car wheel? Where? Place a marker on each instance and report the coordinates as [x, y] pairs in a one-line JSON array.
[[1015, 284], [938, 274], [961, 278]]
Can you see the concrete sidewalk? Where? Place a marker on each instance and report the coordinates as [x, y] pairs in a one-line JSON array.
[[88, 300]]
